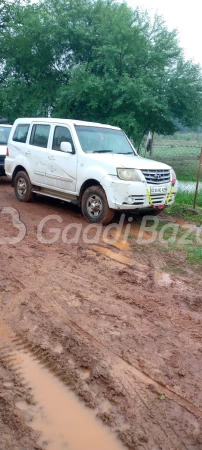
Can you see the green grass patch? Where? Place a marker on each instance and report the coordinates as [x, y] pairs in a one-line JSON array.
[[185, 212], [173, 241], [194, 255]]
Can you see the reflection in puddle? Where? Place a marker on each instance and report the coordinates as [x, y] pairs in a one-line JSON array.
[[105, 406], [163, 278], [84, 374], [8, 384], [64, 422], [58, 349], [23, 406]]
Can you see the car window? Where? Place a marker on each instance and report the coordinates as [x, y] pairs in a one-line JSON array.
[[40, 135], [4, 134], [61, 134], [21, 132]]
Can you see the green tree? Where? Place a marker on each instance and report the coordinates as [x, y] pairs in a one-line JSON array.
[[96, 60]]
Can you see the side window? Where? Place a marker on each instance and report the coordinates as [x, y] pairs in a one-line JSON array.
[[40, 135], [61, 134], [21, 132]]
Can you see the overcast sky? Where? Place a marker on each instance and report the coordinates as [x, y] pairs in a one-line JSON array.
[[186, 16]]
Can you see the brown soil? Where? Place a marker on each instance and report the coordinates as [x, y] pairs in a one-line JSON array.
[[106, 322]]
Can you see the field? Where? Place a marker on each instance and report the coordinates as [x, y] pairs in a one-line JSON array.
[[182, 152], [183, 159]]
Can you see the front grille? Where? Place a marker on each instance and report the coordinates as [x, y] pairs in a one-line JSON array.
[[157, 176]]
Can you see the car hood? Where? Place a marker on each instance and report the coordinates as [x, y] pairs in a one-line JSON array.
[[3, 149], [129, 161]]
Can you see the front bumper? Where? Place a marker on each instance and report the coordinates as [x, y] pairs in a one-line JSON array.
[[123, 195]]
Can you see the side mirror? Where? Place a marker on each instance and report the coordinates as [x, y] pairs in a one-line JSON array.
[[66, 147]]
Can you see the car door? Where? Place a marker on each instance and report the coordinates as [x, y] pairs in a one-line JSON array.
[[61, 168], [37, 150]]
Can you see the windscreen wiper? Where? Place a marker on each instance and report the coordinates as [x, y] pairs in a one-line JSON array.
[[103, 151], [128, 153]]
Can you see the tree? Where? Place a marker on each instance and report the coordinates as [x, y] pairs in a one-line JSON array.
[[28, 76], [97, 60]]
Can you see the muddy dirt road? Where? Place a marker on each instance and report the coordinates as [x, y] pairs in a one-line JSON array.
[[96, 325]]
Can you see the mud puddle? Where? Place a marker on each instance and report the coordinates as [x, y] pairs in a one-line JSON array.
[[62, 420], [119, 257], [161, 278]]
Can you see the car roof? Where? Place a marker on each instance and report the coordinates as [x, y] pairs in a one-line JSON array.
[[63, 121], [5, 125]]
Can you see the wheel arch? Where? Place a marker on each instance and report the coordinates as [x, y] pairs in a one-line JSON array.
[[88, 183], [18, 168]]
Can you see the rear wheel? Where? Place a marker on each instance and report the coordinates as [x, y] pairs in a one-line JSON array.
[[95, 207], [23, 187]]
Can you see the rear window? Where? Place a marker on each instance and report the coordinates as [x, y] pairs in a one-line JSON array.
[[4, 134], [39, 136], [21, 133]]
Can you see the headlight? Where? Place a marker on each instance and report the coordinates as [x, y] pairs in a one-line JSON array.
[[128, 175], [173, 175]]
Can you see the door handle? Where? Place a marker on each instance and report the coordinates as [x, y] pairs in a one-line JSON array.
[[51, 157], [27, 153]]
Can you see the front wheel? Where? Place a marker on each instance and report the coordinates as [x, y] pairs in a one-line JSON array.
[[23, 187], [95, 207]]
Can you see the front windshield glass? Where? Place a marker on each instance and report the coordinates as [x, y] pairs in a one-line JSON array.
[[103, 140], [4, 134]]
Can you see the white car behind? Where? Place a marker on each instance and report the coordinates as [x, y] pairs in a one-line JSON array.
[[4, 135]]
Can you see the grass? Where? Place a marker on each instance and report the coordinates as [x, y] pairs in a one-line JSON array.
[[183, 159], [174, 243], [194, 255], [192, 245], [183, 207]]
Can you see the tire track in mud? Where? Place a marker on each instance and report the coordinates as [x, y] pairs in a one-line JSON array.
[[171, 394], [142, 376], [10, 356]]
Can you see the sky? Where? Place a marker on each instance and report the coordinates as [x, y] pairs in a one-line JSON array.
[[183, 15]]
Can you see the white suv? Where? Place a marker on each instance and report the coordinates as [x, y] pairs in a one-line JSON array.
[[92, 165], [4, 135]]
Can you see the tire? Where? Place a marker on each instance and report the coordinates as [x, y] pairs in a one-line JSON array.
[[23, 187], [95, 207]]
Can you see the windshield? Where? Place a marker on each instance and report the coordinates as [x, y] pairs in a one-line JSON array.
[[103, 140], [4, 134]]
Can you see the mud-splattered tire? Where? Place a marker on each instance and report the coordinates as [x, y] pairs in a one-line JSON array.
[[23, 187], [95, 207]]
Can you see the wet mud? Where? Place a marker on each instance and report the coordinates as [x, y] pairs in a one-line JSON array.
[[102, 328]]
